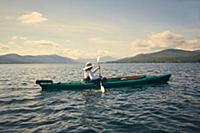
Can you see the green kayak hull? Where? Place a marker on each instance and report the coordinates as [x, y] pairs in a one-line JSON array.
[[108, 83]]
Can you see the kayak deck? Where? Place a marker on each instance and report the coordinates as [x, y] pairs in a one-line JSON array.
[[107, 83]]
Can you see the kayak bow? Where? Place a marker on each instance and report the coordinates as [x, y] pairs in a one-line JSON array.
[[128, 81]]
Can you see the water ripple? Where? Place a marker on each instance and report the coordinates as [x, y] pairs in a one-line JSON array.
[[170, 108]]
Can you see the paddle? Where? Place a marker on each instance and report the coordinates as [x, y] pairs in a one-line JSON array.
[[101, 86]]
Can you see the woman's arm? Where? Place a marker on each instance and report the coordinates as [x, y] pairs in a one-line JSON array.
[[94, 71]]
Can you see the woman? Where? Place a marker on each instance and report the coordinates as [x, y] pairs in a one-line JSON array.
[[89, 74]]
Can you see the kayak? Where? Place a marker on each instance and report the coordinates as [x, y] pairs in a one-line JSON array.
[[128, 81]]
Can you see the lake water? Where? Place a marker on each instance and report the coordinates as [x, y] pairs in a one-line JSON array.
[[172, 107]]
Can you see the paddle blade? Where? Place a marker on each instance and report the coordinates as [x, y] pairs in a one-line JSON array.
[[102, 88], [98, 59]]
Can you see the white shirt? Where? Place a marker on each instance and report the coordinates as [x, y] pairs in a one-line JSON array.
[[91, 75]]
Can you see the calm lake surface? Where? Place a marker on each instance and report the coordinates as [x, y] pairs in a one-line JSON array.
[[172, 107]]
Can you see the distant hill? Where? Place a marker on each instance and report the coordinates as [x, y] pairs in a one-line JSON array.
[[93, 60], [40, 59], [164, 56]]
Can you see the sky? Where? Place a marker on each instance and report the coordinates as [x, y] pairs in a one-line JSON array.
[[91, 28]]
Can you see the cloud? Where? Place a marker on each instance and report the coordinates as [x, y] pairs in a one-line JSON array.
[[42, 43], [164, 40], [99, 40], [19, 38], [153, 42], [8, 17], [73, 53], [67, 41], [97, 53], [32, 18], [26, 46], [193, 43], [3, 48], [77, 53], [103, 52]]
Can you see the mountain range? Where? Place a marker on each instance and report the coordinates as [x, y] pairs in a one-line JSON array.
[[164, 56], [46, 59], [29, 59]]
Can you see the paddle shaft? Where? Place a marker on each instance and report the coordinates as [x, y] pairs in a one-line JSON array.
[[101, 86], [99, 70]]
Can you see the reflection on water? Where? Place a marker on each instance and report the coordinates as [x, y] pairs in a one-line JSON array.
[[172, 107]]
